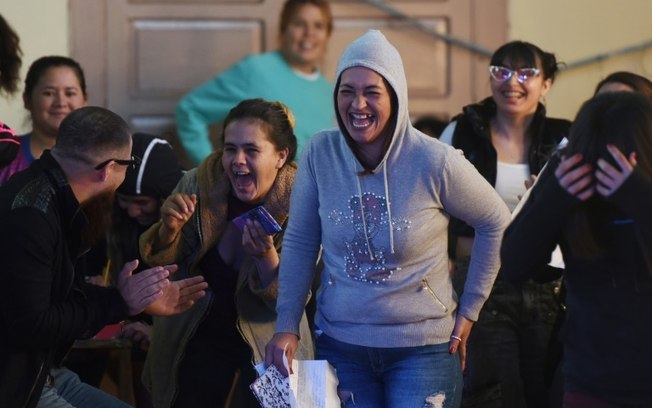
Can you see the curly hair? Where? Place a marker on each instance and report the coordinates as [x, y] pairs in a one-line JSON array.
[[10, 58]]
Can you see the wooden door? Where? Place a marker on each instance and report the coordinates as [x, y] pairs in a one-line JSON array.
[[141, 56]]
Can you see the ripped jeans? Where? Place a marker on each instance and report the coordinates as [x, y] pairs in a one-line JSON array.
[[425, 376]]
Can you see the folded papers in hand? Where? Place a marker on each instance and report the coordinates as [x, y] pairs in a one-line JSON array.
[[313, 383]]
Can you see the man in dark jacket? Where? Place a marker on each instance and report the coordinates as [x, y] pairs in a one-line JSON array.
[[49, 215]]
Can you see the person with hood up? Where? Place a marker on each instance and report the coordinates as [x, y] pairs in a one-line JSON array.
[[387, 317]]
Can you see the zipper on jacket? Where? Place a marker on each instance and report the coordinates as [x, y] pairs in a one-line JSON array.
[[426, 286]]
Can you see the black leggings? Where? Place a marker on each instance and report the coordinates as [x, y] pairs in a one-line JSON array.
[[206, 374]]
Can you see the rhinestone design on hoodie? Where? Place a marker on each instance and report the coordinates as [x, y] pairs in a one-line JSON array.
[[365, 260]]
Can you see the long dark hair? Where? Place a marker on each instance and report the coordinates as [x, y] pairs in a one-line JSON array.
[[622, 119], [10, 58]]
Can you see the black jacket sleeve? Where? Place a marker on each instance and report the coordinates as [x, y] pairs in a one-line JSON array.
[[634, 198], [43, 305], [533, 234]]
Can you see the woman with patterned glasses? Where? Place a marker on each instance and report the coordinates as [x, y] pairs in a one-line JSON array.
[[508, 138]]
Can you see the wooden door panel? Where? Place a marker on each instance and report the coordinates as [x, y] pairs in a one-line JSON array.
[[200, 49], [424, 59], [141, 56]]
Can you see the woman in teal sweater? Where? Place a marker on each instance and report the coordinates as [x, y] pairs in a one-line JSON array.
[[289, 75]]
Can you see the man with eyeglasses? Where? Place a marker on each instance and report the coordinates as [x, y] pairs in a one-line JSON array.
[[50, 214]]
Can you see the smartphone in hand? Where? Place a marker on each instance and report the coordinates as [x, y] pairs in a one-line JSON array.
[[261, 215]]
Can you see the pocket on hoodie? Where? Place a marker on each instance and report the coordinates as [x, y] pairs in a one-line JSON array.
[[342, 301]]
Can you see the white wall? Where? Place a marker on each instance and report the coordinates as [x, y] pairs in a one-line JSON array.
[[578, 29], [42, 26], [572, 29]]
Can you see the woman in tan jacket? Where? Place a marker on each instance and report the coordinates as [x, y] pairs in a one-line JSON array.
[[193, 357]]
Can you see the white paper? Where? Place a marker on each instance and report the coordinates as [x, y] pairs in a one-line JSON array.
[[313, 384]]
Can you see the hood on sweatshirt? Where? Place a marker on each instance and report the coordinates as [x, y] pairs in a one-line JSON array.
[[373, 51]]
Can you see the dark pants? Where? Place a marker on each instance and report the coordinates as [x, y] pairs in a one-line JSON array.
[[507, 348], [579, 400], [206, 375]]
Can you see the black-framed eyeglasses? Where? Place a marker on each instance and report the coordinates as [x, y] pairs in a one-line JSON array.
[[502, 74], [134, 162]]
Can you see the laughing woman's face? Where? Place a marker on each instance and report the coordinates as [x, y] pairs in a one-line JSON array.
[[365, 106], [516, 97], [251, 160]]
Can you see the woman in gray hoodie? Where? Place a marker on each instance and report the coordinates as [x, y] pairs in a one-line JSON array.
[[376, 195]]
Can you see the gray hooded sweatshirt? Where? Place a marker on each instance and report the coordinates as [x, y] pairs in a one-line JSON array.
[[385, 281]]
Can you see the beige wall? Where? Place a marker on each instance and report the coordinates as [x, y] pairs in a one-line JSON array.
[[579, 29], [43, 29], [573, 30]]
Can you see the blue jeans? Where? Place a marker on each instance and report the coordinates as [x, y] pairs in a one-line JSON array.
[[425, 376], [67, 391]]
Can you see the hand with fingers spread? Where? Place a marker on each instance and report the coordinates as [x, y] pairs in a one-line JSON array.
[[611, 178], [151, 290], [460, 337], [143, 288], [175, 213], [178, 296], [576, 177]]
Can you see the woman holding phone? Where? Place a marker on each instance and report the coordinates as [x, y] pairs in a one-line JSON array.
[[194, 358]]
